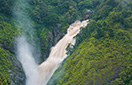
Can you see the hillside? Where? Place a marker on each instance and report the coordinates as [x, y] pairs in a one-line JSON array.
[[103, 51]]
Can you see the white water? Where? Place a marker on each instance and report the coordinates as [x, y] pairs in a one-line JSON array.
[[58, 52], [24, 55], [40, 74]]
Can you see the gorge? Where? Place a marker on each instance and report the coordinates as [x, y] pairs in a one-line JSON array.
[[40, 75], [46, 42]]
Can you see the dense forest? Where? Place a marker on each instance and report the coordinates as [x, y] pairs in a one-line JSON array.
[[103, 51]]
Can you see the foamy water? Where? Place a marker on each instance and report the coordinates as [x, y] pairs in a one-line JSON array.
[[40, 74], [24, 55], [58, 52]]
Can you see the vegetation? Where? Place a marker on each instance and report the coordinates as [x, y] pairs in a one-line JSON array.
[[6, 38], [103, 52], [102, 55]]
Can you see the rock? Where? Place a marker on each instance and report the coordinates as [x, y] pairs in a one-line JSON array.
[[17, 76], [89, 11], [1, 45]]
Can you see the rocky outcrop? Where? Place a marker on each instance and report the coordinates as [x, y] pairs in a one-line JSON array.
[[17, 75]]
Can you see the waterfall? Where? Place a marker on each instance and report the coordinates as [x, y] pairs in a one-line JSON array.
[[24, 55], [58, 53], [25, 52], [40, 74]]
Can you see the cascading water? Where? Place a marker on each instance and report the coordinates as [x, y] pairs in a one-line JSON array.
[[24, 55], [25, 51], [58, 53], [40, 74]]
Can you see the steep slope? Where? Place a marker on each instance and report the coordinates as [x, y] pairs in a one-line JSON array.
[[50, 20], [104, 50], [10, 68], [103, 61]]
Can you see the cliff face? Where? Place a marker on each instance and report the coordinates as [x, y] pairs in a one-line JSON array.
[[11, 72]]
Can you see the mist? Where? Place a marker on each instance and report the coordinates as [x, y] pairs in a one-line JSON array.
[[24, 26], [26, 52], [25, 41]]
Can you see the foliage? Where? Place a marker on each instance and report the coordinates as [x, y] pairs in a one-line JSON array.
[[71, 15], [7, 33], [6, 7], [6, 66], [102, 55], [100, 61]]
